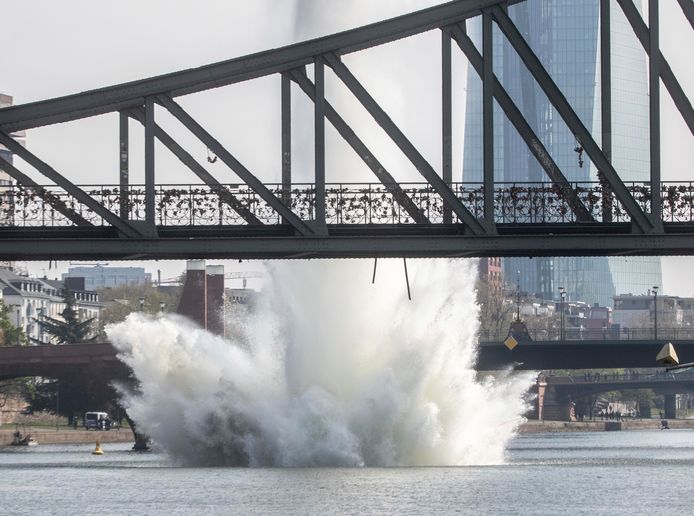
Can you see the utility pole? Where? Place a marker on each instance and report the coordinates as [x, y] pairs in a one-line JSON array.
[[562, 296], [655, 312]]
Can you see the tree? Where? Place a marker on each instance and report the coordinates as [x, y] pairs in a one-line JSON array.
[[496, 311], [121, 301], [70, 330], [10, 335]]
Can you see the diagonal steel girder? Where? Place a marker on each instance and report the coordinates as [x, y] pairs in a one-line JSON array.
[[73, 190], [688, 10], [642, 221], [132, 94], [348, 134], [184, 156], [53, 200], [666, 74], [524, 129], [476, 226], [229, 160]]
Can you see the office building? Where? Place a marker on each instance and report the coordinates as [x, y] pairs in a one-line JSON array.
[[565, 36]]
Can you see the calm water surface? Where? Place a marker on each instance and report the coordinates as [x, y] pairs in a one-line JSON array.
[[635, 472]]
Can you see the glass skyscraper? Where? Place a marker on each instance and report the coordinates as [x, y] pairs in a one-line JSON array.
[[565, 36]]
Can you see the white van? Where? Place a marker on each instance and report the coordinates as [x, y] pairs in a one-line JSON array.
[[96, 421]]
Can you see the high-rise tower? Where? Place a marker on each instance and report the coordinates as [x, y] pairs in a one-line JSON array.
[[565, 36]]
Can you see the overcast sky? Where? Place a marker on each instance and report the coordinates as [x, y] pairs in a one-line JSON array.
[[59, 48]]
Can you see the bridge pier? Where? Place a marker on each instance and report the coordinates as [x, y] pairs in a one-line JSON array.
[[141, 440], [670, 406]]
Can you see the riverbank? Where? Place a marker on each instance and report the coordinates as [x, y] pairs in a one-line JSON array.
[[46, 435], [533, 426]]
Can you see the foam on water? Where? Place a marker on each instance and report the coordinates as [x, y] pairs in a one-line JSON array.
[[329, 370]]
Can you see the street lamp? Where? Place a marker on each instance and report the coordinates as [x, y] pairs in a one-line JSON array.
[[19, 325], [142, 304], [41, 310], [655, 311], [518, 296], [562, 296]]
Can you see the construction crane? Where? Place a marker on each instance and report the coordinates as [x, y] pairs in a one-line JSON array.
[[228, 276]]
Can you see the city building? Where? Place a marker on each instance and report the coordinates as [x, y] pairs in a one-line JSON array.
[[101, 276], [490, 272], [565, 36], [30, 299], [636, 311]]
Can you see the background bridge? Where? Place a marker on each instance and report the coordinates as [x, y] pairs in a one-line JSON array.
[[252, 219]]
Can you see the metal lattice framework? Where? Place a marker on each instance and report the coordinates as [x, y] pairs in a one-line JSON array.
[[434, 218]]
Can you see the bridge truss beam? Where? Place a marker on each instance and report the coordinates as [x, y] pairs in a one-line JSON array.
[[458, 226], [343, 242]]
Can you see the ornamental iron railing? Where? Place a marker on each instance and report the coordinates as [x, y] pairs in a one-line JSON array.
[[346, 203]]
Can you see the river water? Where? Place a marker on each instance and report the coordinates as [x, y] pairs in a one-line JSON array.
[[633, 472]]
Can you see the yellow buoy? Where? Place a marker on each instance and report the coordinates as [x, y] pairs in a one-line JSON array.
[[98, 450]]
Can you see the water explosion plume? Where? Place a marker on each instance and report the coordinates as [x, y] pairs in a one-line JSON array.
[[329, 370]]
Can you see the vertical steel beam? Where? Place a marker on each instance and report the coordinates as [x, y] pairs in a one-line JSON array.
[[606, 104], [654, 106], [286, 141], [319, 149], [488, 115], [150, 216], [446, 118], [606, 79], [124, 178]]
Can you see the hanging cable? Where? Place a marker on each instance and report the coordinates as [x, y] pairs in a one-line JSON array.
[[407, 279], [373, 279]]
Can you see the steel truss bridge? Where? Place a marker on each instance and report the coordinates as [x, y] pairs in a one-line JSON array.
[[61, 220]]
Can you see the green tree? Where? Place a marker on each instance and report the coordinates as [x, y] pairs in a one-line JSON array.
[[70, 330], [10, 335]]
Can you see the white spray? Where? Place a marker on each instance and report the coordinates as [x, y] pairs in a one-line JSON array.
[[329, 370]]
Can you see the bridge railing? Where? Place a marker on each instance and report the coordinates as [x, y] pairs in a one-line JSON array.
[[631, 376], [346, 203], [585, 334]]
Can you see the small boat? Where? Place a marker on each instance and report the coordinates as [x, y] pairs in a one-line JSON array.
[[23, 440]]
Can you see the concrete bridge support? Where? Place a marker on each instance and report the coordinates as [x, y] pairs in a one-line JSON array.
[[670, 406]]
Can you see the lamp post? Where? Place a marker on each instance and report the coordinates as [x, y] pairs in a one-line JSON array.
[[562, 297], [518, 296], [655, 311], [41, 310], [142, 304], [19, 327]]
